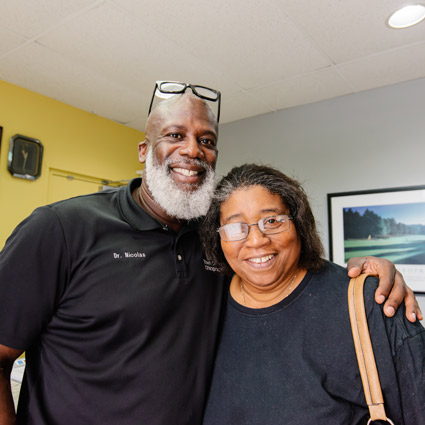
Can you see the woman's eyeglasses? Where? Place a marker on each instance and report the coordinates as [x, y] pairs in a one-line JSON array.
[[268, 226]]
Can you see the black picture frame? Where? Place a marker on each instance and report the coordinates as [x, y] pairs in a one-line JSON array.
[[25, 157], [387, 223]]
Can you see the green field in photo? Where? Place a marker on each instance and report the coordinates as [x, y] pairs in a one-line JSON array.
[[405, 249]]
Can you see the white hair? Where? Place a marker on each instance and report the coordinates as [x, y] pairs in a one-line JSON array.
[[185, 204]]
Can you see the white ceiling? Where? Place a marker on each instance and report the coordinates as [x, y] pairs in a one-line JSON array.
[[104, 56]]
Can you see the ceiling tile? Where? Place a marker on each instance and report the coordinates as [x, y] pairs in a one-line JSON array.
[[309, 88], [388, 68], [9, 40], [139, 123], [31, 18], [241, 105]]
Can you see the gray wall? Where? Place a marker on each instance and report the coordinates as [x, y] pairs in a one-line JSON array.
[[370, 140]]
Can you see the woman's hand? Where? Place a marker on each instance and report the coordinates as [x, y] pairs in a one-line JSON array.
[[392, 286]]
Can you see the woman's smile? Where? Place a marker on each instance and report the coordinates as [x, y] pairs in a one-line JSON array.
[[263, 261]]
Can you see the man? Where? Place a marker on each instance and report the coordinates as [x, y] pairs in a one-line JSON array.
[[109, 294]]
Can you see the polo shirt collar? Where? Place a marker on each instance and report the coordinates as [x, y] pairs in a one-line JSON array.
[[137, 217]]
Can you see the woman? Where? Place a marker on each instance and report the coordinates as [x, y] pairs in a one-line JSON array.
[[286, 354]]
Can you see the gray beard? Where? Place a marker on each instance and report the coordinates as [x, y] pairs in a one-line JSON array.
[[178, 203]]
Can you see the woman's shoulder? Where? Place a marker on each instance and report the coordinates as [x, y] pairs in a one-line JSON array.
[[331, 275], [330, 267]]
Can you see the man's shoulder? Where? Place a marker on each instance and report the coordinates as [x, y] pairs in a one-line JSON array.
[[86, 200], [84, 205]]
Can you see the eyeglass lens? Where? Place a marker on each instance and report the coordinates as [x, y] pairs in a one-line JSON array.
[[171, 87], [270, 224], [205, 92], [234, 231]]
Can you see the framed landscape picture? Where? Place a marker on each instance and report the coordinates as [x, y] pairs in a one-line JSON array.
[[387, 223]]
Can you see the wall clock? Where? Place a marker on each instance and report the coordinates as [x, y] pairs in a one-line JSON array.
[[25, 157]]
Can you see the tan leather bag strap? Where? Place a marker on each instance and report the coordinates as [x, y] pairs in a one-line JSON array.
[[364, 350]]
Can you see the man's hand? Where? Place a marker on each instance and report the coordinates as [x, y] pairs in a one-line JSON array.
[[391, 285]]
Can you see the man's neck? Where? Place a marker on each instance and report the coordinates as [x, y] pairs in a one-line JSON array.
[[144, 199]]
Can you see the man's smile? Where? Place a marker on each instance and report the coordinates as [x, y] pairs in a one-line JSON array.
[[186, 172]]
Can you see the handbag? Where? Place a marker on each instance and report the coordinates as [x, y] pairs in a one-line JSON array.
[[364, 351]]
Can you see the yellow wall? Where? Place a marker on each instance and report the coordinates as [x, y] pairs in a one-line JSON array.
[[73, 140]]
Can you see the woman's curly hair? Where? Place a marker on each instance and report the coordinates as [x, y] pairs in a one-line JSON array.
[[292, 195]]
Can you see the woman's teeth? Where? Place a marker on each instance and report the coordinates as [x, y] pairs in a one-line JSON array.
[[259, 260]]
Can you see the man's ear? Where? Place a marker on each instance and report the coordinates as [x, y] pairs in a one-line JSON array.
[[143, 150]]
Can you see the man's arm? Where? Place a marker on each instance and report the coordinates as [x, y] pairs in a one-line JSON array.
[[7, 408], [392, 286]]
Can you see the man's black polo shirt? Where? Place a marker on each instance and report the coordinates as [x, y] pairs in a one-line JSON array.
[[117, 314]]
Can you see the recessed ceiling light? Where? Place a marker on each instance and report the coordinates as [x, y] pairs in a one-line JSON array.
[[407, 16]]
